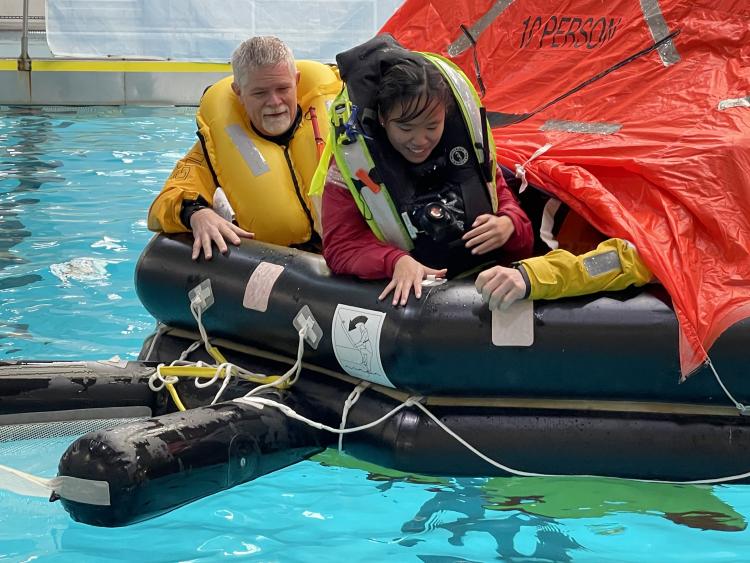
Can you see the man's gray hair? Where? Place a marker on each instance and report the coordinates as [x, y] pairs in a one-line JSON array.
[[256, 52]]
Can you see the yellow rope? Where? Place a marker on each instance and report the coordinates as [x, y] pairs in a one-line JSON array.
[[217, 355], [175, 397], [207, 372]]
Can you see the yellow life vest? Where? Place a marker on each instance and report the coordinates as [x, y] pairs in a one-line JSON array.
[[267, 184]]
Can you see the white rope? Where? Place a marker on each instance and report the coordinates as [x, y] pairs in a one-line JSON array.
[[186, 352], [162, 380], [348, 404], [227, 376], [521, 473], [260, 402], [475, 451], [521, 168], [157, 380], [739, 406], [211, 380], [291, 375], [198, 316], [294, 372], [160, 330]]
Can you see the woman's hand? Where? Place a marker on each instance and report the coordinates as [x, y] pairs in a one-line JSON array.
[[500, 287], [408, 273], [488, 233]]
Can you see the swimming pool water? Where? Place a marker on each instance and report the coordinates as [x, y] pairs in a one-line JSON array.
[[74, 189]]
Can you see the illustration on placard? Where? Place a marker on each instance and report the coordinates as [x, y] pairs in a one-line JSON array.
[[356, 342]]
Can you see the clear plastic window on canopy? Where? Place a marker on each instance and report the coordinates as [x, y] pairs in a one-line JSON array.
[[208, 30]]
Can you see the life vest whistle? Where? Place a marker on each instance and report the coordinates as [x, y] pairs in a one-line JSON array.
[[364, 177]]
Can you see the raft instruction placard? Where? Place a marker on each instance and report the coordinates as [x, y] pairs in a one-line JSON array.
[[356, 342]]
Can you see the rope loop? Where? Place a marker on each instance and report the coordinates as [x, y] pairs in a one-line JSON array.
[[521, 168]]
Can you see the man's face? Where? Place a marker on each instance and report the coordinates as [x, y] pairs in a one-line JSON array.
[[269, 97]]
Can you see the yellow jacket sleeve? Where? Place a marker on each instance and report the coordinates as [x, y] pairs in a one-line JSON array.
[[615, 264], [190, 178]]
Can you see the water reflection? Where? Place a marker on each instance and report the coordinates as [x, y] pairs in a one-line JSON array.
[[528, 519], [693, 506], [461, 509], [458, 506], [24, 169]]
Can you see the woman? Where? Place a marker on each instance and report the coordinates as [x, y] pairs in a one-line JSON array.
[[413, 191]]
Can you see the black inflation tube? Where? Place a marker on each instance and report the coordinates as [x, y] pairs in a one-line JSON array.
[[155, 465]]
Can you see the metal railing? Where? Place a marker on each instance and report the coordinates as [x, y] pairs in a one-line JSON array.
[[24, 61], [28, 26]]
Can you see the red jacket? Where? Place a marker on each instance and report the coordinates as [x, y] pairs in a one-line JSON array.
[[350, 247]]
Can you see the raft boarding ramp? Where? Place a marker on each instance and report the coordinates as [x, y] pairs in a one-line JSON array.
[[31, 74]]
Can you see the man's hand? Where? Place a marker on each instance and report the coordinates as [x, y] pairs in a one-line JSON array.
[[500, 287], [208, 227], [488, 233], [408, 273]]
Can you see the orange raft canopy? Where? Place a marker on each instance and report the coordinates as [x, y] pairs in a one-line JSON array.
[[647, 108]]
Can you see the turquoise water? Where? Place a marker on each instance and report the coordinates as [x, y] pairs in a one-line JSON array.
[[74, 188]]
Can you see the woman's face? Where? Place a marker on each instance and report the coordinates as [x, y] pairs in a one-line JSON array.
[[415, 139]]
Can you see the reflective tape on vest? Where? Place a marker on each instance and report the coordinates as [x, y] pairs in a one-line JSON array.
[[464, 91], [247, 148]]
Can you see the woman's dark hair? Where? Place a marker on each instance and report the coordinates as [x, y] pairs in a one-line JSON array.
[[414, 86]]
